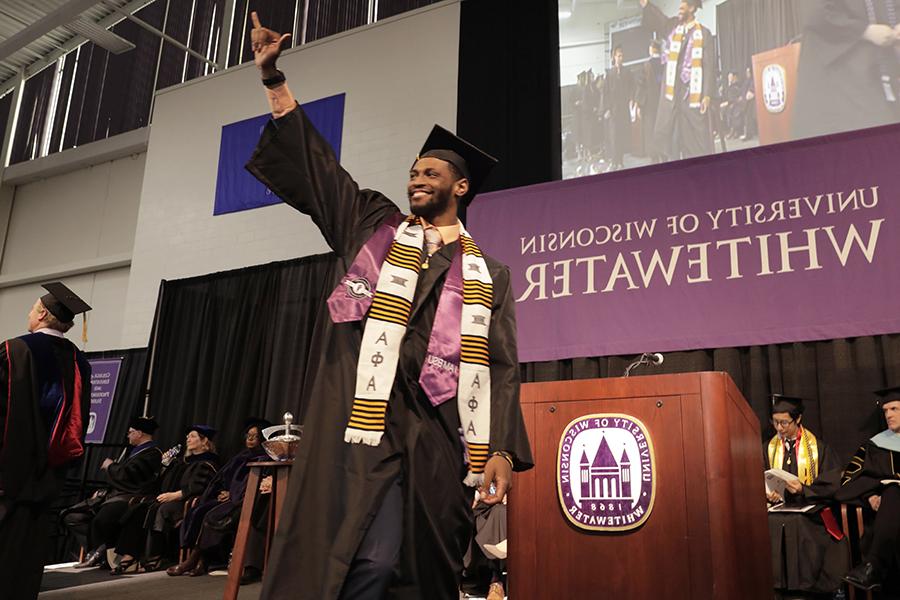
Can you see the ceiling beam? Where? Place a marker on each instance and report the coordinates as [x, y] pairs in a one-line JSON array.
[[40, 64], [66, 13]]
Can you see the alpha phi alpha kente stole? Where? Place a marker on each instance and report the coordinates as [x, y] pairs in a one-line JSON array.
[[458, 360]]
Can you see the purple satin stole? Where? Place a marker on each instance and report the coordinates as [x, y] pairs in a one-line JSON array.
[[352, 297], [439, 378]]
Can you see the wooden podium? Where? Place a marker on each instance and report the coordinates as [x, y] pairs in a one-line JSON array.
[[706, 534], [775, 84]]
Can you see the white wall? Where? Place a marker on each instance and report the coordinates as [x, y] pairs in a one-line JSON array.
[[399, 76], [68, 221]]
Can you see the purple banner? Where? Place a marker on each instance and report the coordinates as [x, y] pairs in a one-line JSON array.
[[104, 376], [793, 242]]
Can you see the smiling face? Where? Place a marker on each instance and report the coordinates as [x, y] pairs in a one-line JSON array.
[[686, 12], [434, 190]]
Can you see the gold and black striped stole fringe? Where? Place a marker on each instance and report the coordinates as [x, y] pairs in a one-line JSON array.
[[368, 415]]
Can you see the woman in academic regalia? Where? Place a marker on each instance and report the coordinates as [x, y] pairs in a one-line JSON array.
[[208, 528], [182, 481]]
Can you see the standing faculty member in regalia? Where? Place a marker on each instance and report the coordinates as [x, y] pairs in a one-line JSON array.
[[416, 394], [44, 405]]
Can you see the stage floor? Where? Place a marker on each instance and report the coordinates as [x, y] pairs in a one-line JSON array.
[[94, 584]]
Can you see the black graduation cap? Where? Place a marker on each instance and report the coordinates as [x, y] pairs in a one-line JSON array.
[[146, 424], [204, 430], [891, 394], [786, 404], [474, 164], [62, 302]]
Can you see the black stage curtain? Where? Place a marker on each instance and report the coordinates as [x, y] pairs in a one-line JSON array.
[[235, 344], [508, 90], [836, 379], [746, 27]]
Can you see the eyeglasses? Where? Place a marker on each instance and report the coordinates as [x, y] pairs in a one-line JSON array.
[[779, 423]]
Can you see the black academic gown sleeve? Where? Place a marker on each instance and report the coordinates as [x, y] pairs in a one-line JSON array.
[[841, 23], [839, 76], [137, 474], [196, 477], [710, 65], [294, 161], [862, 476], [507, 426], [654, 20], [828, 481]]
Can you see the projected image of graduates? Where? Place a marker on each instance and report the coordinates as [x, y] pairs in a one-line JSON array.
[[650, 81]]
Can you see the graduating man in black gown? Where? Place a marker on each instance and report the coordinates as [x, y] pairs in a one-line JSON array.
[[873, 479], [418, 368], [808, 550], [45, 397], [683, 126]]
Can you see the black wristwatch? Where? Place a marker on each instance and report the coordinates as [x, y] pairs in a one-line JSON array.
[[275, 79]]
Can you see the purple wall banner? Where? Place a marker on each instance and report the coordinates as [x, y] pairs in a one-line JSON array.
[[104, 376], [785, 243]]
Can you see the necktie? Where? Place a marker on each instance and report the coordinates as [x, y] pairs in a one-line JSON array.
[[433, 243], [789, 459]]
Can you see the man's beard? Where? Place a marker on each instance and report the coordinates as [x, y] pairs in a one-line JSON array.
[[436, 205]]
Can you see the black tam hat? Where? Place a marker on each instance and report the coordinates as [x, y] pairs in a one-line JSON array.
[[473, 163], [888, 395], [146, 424], [787, 404], [257, 422], [204, 430], [62, 302]]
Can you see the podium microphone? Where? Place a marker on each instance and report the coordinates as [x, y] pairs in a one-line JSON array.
[[647, 358]]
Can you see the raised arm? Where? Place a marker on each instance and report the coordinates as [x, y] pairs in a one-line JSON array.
[[294, 161], [654, 20]]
